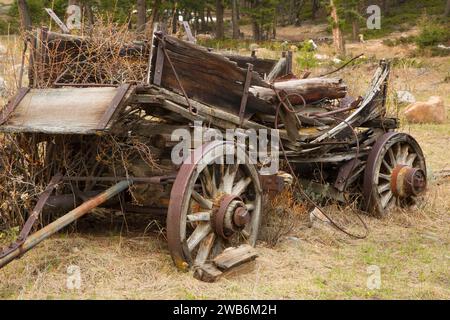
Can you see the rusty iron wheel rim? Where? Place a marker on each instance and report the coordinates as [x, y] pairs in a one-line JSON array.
[[393, 153], [196, 196]]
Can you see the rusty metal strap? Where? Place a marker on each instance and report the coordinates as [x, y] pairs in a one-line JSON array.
[[33, 216]]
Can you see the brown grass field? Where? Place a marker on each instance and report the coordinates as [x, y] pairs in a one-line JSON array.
[[119, 259]]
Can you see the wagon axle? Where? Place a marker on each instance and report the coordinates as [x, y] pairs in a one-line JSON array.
[[231, 216], [407, 181]]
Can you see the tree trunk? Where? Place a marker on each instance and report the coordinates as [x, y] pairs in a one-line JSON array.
[[311, 90], [89, 14], [25, 19], [355, 30], [203, 22], [256, 31], [447, 9], [236, 31], [155, 15], [338, 38], [141, 7], [315, 8], [219, 19], [385, 7]]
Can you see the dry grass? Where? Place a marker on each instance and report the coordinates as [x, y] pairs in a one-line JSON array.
[[410, 247]]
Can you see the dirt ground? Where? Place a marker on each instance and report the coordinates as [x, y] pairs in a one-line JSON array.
[[410, 248]]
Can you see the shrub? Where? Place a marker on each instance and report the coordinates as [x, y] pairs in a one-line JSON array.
[[432, 34], [305, 57]]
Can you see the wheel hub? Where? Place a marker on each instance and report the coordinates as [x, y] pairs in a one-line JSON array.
[[407, 181], [231, 216]]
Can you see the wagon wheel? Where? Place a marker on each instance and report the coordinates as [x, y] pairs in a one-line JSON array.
[[213, 206], [395, 173]]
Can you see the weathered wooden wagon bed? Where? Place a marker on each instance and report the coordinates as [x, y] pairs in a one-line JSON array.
[[330, 139]]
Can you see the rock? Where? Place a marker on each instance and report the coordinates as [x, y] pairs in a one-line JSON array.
[[319, 56], [441, 46], [337, 61], [432, 111], [293, 239], [3, 49], [204, 37], [317, 216], [313, 44], [405, 97], [3, 90], [361, 38], [254, 46]]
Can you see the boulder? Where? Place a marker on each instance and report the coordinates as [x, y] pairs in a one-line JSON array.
[[432, 111], [313, 44], [2, 87], [405, 97], [204, 37], [3, 50], [253, 47]]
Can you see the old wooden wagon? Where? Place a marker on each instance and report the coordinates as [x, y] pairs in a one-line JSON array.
[[328, 138]]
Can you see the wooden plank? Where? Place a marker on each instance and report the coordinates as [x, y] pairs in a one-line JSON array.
[[233, 257], [209, 78], [58, 21], [6, 112], [261, 66], [207, 272], [159, 67], [62, 110], [115, 103]]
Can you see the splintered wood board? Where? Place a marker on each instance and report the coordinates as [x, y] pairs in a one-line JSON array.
[[233, 257], [64, 110]]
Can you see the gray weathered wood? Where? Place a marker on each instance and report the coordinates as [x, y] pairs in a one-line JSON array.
[[61, 111], [233, 257], [207, 273], [311, 90]]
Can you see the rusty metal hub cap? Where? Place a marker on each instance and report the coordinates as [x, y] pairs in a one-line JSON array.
[[231, 216], [407, 181], [395, 173]]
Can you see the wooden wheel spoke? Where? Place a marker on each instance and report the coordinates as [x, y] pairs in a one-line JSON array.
[[386, 198], [213, 181], [411, 158], [199, 216], [205, 249], [200, 232], [387, 166], [206, 181], [398, 152], [404, 153], [391, 203], [384, 187], [228, 178], [203, 202], [250, 206], [392, 158], [385, 176], [241, 186]]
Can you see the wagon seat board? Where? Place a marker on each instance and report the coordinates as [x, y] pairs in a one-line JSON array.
[[66, 110]]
